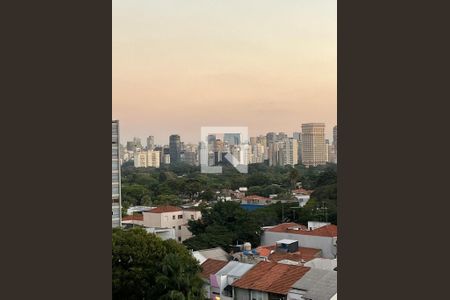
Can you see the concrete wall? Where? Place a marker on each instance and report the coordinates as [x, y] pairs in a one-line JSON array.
[[310, 241]]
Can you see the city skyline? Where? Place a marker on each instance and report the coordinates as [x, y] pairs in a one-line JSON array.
[[178, 66], [164, 140]]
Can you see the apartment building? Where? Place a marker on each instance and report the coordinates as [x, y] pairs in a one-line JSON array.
[[172, 217], [145, 159], [116, 197], [314, 151]]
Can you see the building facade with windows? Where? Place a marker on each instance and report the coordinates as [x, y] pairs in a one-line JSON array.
[[116, 188], [172, 217], [314, 151], [174, 148]]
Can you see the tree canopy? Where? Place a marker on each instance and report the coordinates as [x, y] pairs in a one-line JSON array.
[[146, 267]]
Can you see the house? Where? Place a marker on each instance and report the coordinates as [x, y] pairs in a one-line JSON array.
[[214, 253], [317, 284], [221, 282], [268, 280], [283, 251], [209, 267], [171, 217], [133, 220], [323, 238], [253, 202], [302, 196]]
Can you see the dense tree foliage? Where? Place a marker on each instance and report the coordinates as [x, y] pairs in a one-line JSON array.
[[227, 223], [146, 185], [146, 267], [223, 225]]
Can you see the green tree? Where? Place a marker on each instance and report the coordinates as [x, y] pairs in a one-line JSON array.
[[134, 194], [146, 267]]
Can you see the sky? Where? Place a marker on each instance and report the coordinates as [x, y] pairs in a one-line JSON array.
[[178, 65]]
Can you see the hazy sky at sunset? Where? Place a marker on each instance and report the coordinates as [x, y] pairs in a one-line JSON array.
[[182, 64]]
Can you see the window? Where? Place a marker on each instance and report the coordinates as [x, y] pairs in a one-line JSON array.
[[192, 217], [179, 227], [173, 217], [173, 227], [228, 291], [179, 238], [180, 216], [257, 295]]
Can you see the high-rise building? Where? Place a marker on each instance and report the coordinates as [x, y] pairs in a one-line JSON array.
[[174, 148], [262, 139], [150, 142], [274, 154], [232, 138], [147, 159], [314, 150], [116, 195], [291, 152], [281, 137], [271, 137], [335, 142], [137, 143]]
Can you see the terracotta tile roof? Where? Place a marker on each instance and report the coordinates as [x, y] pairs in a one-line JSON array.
[[211, 266], [303, 253], [164, 209], [271, 277], [302, 191], [138, 217], [256, 197], [326, 231]]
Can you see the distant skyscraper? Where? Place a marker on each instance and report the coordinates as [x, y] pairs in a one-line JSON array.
[[274, 154], [130, 146], [232, 138], [291, 152], [150, 142], [211, 139], [116, 197], [281, 136], [137, 142], [174, 148], [262, 139], [146, 159], [314, 150], [335, 141], [297, 136], [271, 137]]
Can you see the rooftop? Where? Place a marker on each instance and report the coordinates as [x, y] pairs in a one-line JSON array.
[[256, 197], [235, 269], [303, 254], [137, 217], [302, 191], [325, 231], [165, 209], [214, 253], [322, 263], [271, 277], [318, 284], [211, 266]]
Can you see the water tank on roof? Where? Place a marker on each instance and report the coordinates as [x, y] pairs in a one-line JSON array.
[[247, 246]]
